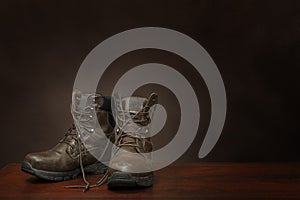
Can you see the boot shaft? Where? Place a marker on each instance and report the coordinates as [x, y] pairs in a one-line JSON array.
[[133, 114], [90, 110]]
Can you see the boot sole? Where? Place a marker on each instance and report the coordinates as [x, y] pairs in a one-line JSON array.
[[96, 168], [123, 179]]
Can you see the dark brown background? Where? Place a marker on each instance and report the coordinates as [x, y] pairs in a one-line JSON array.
[[255, 44]]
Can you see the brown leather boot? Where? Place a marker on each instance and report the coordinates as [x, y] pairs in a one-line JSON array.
[[130, 165], [69, 157]]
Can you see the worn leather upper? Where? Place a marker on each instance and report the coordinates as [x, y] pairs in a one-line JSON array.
[[62, 157], [131, 139], [65, 155]]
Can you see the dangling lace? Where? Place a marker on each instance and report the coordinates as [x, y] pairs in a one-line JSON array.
[[81, 122], [142, 117], [88, 185]]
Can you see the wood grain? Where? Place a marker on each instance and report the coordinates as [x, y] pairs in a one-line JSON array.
[[177, 181]]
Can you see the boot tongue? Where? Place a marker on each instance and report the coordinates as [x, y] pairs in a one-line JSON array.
[[133, 104], [136, 104]]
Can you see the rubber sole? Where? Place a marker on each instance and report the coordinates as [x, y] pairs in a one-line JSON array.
[[123, 179], [96, 168]]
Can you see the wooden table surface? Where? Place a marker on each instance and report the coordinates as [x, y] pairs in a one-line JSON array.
[[179, 180]]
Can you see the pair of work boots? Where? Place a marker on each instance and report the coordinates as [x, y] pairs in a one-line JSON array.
[[86, 145]]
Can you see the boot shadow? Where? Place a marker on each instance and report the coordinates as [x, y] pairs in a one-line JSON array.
[[36, 180]]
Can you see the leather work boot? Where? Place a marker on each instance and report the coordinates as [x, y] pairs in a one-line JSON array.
[[70, 156], [130, 164]]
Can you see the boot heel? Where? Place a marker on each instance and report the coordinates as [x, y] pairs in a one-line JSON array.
[[123, 179]]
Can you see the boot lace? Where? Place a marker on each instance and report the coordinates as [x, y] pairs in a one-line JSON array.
[[82, 119], [141, 118]]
